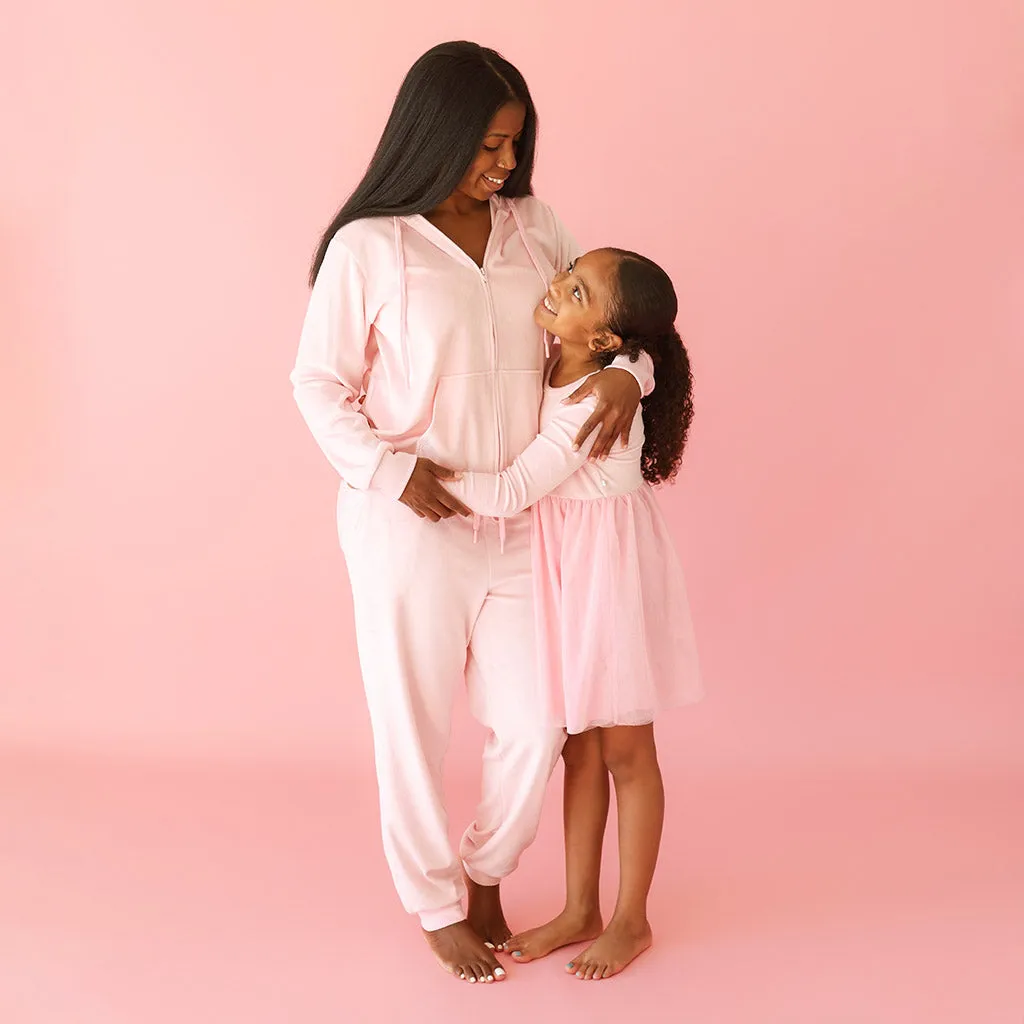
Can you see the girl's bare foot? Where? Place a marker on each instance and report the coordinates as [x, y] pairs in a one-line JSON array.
[[460, 951], [620, 944], [568, 928], [485, 915]]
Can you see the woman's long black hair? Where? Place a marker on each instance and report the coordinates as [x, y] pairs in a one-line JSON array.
[[643, 314], [438, 121]]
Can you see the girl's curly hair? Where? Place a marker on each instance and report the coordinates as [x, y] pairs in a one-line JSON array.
[[643, 313]]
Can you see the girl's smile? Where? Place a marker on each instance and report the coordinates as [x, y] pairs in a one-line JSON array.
[[576, 305]]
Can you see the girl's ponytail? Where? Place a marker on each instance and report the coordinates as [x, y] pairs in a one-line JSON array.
[[668, 409], [643, 315]]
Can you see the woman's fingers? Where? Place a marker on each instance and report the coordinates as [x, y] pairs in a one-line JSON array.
[[605, 437], [581, 392], [591, 424], [626, 425], [454, 506]]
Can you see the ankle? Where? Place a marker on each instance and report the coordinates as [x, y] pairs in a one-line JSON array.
[[632, 920], [583, 910]]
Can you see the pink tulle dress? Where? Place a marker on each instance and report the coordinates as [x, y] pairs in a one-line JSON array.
[[614, 634]]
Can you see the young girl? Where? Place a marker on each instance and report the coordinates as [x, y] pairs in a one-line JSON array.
[[614, 632]]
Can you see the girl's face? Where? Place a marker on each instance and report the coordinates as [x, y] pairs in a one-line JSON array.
[[576, 305], [496, 158]]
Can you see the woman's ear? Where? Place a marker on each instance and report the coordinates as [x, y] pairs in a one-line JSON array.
[[605, 341]]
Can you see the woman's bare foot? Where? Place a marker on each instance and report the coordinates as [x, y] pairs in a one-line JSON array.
[[485, 915], [571, 926], [620, 944], [460, 951]]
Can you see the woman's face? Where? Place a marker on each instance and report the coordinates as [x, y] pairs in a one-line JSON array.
[[496, 158]]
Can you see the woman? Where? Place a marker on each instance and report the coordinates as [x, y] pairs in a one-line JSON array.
[[420, 337]]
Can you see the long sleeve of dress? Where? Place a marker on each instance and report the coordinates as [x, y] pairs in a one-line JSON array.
[[328, 379], [548, 462]]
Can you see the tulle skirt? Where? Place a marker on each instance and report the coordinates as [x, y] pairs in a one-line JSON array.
[[614, 633]]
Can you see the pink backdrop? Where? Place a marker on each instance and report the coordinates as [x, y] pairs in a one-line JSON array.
[[837, 192], [836, 189]]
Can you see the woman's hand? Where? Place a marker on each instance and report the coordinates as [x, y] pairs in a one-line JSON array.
[[425, 495], [618, 395]]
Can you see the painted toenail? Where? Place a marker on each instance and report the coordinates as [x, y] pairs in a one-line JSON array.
[[472, 981], [499, 972], [489, 945]]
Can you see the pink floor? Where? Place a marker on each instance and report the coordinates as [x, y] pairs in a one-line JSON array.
[[139, 892]]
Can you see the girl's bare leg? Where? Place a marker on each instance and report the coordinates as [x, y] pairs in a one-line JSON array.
[[585, 811], [632, 759]]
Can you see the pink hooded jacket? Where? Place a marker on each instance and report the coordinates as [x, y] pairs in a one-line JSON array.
[[409, 346]]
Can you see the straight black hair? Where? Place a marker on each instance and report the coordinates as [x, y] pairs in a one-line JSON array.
[[439, 119]]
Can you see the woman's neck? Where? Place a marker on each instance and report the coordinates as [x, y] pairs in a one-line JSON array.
[[572, 365], [458, 205]]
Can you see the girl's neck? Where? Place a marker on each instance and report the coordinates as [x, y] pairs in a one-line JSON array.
[[573, 364]]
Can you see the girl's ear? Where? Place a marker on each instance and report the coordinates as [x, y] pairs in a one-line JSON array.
[[605, 341]]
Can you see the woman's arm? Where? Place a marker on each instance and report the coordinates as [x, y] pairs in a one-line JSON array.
[[328, 378], [618, 389], [328, 381], [549, 461]]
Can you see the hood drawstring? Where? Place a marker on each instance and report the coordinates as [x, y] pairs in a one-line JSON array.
[[403, 333], [536, 266]]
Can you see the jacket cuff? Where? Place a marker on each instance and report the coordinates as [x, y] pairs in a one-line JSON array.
[[393, 474]]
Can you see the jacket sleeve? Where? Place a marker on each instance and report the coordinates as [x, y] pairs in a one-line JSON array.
[[546, 463], [328, 377]]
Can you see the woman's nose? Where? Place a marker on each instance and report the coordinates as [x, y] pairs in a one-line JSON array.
[[507, 160]]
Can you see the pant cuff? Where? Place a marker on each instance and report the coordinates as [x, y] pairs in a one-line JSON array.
[[435, 920], [479, 877]]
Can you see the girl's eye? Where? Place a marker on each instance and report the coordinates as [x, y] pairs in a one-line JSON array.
[[492, 149], [576, 294]]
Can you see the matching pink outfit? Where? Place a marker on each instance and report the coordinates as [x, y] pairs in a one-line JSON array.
[[614, 632], [408, 347]]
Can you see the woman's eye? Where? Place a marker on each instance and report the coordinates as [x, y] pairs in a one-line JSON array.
[[492, 149], [576, 295]]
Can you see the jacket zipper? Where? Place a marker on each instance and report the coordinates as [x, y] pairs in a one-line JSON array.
[[497, 376]]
